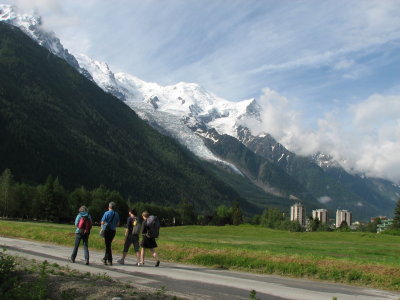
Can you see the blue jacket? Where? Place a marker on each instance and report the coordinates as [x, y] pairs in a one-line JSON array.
[[78, 217], [108, 215]]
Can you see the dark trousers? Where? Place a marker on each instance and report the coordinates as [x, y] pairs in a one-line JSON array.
[[108, 238], [85, 240], [131, 240]]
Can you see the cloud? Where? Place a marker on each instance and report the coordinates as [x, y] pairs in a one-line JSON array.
[[363, 137], [58, 16], [242, 47], [324, 199], [282, 119], [42, 5], [343, 64], [377, 109]]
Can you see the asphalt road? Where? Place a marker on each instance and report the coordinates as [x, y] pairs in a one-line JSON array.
[[193, 282]]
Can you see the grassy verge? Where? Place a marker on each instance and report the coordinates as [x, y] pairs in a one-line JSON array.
[[29, 280], [348, 257]]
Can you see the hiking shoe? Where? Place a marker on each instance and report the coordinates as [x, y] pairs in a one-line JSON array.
[[121, 261], [86, 262], [104, 261], [139, 264], [72, 259], [110, 262], [157, 263]]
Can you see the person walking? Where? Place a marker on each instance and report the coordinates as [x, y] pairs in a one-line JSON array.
[[109, 221], [83, 223], [132, 231], [148, 240]]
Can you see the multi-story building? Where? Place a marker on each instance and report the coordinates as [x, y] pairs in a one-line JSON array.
[[343, 215], [298, 213], [320, 214]]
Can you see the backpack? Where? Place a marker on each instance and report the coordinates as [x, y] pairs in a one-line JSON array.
[[153, 225], [135, 228], [84, 225]]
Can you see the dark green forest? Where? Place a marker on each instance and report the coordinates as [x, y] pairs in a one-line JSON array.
[[50, 201], [55, 121]]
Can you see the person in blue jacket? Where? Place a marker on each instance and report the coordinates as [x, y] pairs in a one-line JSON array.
[[109, 221], [79, 235]]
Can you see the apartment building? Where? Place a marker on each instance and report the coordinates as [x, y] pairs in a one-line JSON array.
[[343, 215], [298, 213], [320, 214]]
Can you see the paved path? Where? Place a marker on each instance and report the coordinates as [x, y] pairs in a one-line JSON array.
[[195, 282]]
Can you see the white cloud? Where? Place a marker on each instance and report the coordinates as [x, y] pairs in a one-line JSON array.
[[235, 52], [324, 199], [283, 121], [375, 110], [343, 64], [58, 16], [364, 137]]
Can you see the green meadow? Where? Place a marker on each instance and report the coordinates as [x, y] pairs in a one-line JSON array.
[[357, 258]]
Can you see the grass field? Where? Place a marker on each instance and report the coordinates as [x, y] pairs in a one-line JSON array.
[[358, 258]]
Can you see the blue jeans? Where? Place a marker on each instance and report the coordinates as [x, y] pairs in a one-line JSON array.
[[108, 238], [85, 240]]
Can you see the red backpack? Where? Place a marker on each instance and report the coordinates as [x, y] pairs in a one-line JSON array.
[[84, 225]]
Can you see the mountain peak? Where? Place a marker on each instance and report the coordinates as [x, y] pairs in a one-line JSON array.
[[26, 22], [31, 25]]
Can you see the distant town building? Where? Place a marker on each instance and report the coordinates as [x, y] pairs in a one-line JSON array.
[[320, 214], [343, 215], [356, 225], [298, 213], [380, 218], [384, 225]]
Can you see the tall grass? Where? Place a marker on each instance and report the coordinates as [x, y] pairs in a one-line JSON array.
[[350, 257]]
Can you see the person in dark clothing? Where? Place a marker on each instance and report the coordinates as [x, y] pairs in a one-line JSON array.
[[109, 221], [83, 213], [132, 231], [147, 241]]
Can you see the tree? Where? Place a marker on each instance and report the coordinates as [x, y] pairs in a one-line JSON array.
[[293, 226], [80, 196], [48, 200], [25, 195], [61, 209], [272, 218], [313, 224], [237, 216], [396, 219], [344, 227], [188, 217], [222, 216], [99, 202], [101, 197], [6, 183]]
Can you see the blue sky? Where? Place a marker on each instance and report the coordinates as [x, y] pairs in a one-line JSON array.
[[318, 51], [326, 60]]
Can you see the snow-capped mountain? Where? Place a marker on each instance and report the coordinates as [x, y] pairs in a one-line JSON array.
[[325, 161], [208, 125], [185, 111], [173, 109], [194, 105], [31, 24]]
